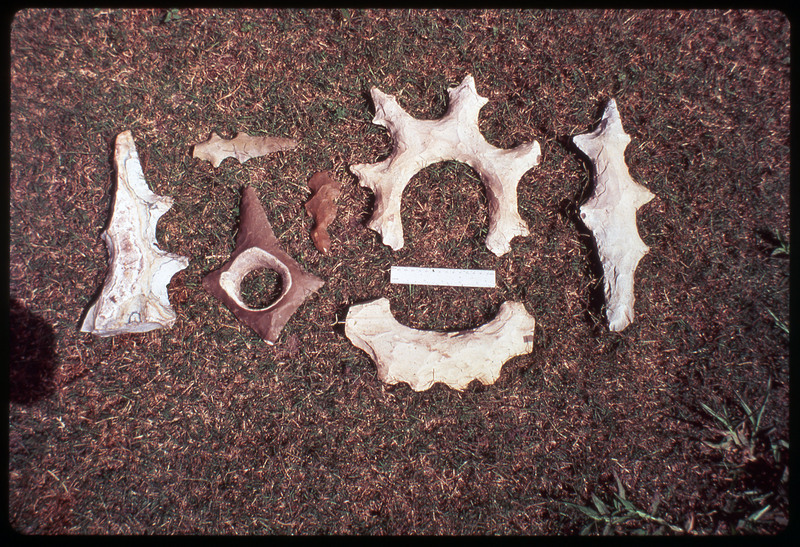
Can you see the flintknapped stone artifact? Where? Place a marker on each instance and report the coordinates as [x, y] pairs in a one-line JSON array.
[[322, 207], [134, 295], [258, 248], [242, 147], [610, 213], [421, 358], [456, 136]]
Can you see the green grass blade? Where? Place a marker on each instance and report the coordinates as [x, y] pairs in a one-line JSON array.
[[601, 507], [758, 514], [745, 406], [780, 324], [620, 487], [721, 419], [588, 511], [757, 423]]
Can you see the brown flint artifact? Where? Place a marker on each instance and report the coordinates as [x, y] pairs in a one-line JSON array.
[[257, 248], [322, 208]]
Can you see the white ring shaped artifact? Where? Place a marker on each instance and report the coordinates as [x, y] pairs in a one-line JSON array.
[[456, 136], [250, 260]]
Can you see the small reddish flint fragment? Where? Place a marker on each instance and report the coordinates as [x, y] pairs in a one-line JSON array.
[[322, 207], [256, 248]]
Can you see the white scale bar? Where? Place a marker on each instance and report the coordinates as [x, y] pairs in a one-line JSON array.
[[407, 275]]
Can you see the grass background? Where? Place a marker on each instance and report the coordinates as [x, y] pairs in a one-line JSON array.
[[203, 428]]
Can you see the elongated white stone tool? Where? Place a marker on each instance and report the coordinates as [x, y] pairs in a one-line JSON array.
[[610, 213], [456, 136], [134, 295]]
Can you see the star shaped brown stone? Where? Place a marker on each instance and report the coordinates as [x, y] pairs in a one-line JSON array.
[[257, 248]]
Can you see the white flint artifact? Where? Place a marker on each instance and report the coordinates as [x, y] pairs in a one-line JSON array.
[[134, 295], [610, 213], [421, 358], [456, 136], [243, 147]]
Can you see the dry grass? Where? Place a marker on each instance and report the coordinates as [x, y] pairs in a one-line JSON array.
[[203, 428]]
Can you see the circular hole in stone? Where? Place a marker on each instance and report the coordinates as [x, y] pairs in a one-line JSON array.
[[260, 288]]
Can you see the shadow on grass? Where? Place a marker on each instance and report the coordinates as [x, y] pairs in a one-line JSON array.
[[32, 365], [595, 300], [569, 209]]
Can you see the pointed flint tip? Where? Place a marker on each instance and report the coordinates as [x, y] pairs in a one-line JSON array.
[[611, 112], [468, 82], [467, 89], [379, 96], [249, 196], [252, 216], [382, 102], [125, 141]]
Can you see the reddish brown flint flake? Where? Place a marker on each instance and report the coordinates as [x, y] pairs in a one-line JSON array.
[[322, 207]]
